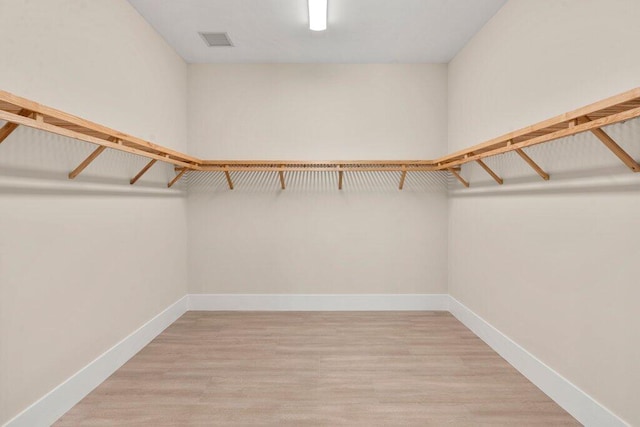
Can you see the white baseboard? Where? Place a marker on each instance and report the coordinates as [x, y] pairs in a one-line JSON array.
[[573, 400], [318, 302], [58, 401]]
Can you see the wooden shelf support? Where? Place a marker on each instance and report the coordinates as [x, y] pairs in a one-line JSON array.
[[177, 177], [87, 162], [340, 177], [402, 178], [227, 175], [613, 146], [490, 172], [460, 178], [142, 172], [533, 164], [9, 127], [7, 130], [281, 174]]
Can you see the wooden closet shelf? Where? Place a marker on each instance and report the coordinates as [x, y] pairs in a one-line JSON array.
[[17, 111]]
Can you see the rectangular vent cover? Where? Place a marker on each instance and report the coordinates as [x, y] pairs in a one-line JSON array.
[[216, 39]]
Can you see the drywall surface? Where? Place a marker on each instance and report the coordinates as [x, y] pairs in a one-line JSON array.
[[83, 264], [313, 238], [552, 264]]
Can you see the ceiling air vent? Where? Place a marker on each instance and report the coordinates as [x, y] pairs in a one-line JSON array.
[[216, 39]]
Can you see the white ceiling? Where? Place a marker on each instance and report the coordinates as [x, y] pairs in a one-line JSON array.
[[359, 31]]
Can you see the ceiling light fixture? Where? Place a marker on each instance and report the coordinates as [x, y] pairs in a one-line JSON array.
[[318, 15]]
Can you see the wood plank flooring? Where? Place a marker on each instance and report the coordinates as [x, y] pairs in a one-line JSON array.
[[316, 368]]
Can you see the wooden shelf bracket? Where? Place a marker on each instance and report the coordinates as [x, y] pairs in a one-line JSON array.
[[142, 172], [490, 172], [177, 177], [9, 127], [227, 175], [74, 173], [402, 177], [533, 164], [281, 174], [460, 178], [613, 146]]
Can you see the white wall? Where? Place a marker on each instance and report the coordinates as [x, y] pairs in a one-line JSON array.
[[553, 265], [83, 264], [313, 238]]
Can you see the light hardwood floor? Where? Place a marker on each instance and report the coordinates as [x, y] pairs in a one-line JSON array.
[[339, 368]]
